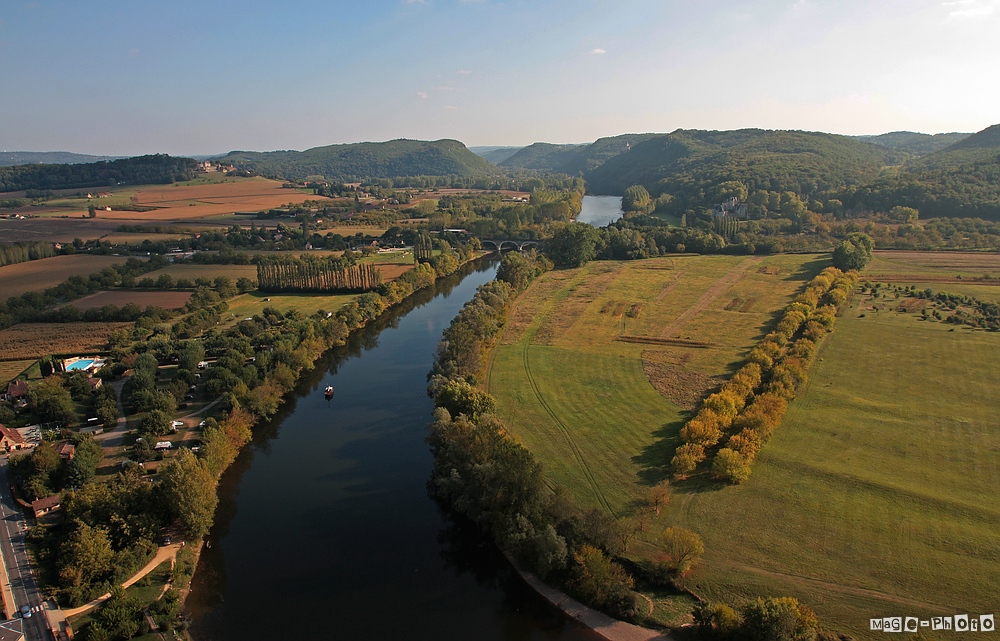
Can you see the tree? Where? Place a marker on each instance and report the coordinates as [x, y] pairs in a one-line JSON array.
[[599, 580], [659, 495], [853, 252], [900, 214], [778, 619], [459, 397], [156, 423], [681, 549], [636, 198], [188, 491], [53, 401], [731, 466], [573, 245]]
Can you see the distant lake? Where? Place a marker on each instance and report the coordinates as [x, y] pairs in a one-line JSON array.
[[600, 211]]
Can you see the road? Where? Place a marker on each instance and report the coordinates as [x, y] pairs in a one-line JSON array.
[[23, 582]]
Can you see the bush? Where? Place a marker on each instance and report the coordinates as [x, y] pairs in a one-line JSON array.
[[778, 619]]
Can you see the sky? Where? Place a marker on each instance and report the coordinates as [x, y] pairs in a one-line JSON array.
[[126, 77]]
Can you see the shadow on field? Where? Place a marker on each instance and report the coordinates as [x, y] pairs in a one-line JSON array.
[[654, 460]]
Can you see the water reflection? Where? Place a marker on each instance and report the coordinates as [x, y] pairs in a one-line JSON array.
[[324, 527]]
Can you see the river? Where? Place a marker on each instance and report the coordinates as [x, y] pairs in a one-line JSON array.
[[325, 528], [600, 211]]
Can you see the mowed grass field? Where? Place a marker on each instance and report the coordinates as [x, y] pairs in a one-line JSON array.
[[193, 271], [878, 495], [38, 275]]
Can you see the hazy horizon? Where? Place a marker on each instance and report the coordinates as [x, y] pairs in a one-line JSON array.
[[121, 78]]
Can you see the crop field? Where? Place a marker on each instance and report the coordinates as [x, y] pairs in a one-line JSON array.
[[34, 340], [192, 271], [969, 273], [188, 201], [878, 494], [38, 275], [142, 298]]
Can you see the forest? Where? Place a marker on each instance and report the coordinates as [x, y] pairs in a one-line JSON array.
[[141, 170]]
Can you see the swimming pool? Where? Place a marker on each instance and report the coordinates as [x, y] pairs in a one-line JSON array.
[[81, 364]]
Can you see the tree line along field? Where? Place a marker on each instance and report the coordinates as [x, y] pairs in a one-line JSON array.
[[38, 275], [876, 496]]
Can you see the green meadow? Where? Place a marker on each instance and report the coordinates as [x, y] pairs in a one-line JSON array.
[[877, 496]]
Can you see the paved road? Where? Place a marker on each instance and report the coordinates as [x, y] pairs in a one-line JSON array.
[[22, 579]]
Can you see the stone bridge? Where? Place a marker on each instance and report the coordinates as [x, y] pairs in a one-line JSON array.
[[502, 244]]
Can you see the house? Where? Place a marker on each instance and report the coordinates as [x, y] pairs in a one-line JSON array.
[[10, 439], [731, 208], [95, 384], [17, 389], [11, 630], [42, 507], [66, 451]]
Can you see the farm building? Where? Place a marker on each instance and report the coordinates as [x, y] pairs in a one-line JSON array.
[[42, 507], [66, 451], [10, 439]]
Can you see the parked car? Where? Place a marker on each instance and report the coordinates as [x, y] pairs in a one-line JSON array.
[[26, 611]]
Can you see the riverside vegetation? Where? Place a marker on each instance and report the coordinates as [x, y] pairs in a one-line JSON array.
[[111, 526]]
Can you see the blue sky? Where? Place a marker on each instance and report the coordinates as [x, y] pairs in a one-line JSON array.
[[130, 77]]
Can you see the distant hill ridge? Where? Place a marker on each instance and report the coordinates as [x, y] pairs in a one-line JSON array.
[[366, 160], [12, 158]]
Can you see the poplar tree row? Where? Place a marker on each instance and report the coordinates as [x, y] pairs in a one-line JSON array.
[[327, 276], [752, 404]]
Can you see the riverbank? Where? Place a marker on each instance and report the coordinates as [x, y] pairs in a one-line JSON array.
[[360, 318]]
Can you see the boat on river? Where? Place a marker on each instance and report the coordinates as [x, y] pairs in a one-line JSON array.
[[328, 392]]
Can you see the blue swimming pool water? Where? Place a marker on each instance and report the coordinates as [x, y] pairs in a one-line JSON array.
[[84, 364]]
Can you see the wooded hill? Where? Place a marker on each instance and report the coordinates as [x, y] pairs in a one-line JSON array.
[[141, 170], [572, 159], [358, 161], [915, 143], [841, 173]]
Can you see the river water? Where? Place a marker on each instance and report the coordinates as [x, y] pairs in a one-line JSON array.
[[325, 529], [599, 211]]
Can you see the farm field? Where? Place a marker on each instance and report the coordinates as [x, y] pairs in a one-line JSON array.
[[142, 298], [192, 271], [878, 494], [251, 303], [968, 273], [876, 497], [564, 380], [136, 238], [39, 275], [10, 369], [34, 340]]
